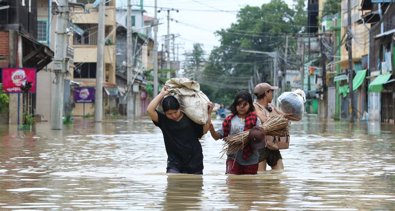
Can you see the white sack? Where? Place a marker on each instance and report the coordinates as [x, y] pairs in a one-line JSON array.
[[293, 103], [194, 103]]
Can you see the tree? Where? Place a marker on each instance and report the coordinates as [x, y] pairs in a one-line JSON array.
[[331, 7], [194, 62], [229, 68]]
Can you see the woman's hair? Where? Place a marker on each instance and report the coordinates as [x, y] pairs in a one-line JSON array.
[[170, 103], [242, 96]]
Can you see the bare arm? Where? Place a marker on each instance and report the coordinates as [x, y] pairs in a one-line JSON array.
[[206, 127], [213, 133], [260, 114], [151, 109]]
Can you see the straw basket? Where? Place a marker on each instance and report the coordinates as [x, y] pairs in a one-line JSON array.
[[274, 126]]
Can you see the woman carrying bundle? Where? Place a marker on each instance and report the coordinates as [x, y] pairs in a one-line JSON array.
[[180, 133], [243, 117]]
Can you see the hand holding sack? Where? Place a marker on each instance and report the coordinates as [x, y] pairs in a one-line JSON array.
[[194, 103]]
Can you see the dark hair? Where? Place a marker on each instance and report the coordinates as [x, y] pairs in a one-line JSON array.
[[170, 103], [260, 96], [242, 96]]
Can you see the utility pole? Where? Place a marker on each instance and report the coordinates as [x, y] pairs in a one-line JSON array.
[[156, 49], [100, 64], [350, 66], [302, 70], [324, 86], [284, 81], [167, 40], [59, 64], [129, 55]]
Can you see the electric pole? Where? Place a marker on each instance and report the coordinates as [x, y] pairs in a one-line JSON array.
[[100, 64], [129, 55], [350, 66], [156, 49], [324, 86], [60, 64]]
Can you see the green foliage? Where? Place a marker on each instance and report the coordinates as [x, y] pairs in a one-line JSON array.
[[28, 119], [331, 7], [229, 68], [4, 101]]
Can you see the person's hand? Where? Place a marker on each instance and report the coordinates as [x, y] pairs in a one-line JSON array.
[[165, 90], [210, 107]]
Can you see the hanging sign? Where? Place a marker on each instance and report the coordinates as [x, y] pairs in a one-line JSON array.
[[18, 80]]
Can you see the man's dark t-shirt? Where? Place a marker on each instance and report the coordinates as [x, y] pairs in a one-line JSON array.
[[183, 148]]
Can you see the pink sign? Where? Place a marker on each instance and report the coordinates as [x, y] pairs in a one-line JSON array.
[[15, 79]]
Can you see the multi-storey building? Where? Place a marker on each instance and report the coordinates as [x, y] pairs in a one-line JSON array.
[[20, 49], [84, 42]]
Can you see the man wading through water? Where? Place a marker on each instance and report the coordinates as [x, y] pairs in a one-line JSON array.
[[264, 109]]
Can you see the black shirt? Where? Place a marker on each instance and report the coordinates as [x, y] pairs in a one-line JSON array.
[[183, 148]]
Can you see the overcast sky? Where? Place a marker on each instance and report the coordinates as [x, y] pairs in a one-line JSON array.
[[197, 20]]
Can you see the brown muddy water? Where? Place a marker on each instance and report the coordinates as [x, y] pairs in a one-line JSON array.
[[120, 165]]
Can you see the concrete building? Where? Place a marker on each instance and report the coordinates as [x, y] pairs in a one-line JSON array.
[[84, 43]]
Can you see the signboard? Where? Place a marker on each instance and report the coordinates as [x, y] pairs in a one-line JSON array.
[[15, 79], [340, 78], [84, 94]]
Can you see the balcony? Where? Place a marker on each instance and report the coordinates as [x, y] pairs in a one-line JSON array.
[[88, 53]]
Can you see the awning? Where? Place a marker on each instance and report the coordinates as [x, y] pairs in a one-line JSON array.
[[377, 84], [358, 79], [111, 91], [390, 32], [35, 54]]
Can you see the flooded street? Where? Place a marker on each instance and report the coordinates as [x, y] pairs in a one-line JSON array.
[[120, 165]]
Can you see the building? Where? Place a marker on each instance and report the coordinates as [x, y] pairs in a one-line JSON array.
[[142, 59], [20, 48], [84, 42], [380, 16]]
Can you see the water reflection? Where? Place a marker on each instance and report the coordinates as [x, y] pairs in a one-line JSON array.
[[183, 192], [120, 165], [257, 192]]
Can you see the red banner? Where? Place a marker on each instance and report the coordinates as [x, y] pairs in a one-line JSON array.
[[16, 79]]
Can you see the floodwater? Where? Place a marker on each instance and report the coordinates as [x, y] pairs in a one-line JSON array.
[[120, 165]]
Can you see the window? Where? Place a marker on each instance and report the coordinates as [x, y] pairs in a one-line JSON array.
[[89, 37], [42, 30], [133, 21], [85, 70]]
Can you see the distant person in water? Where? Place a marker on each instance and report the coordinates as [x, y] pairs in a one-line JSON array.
[[221, 112], [181, 135]]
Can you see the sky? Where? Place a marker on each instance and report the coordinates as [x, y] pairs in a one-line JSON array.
[[196, 20]]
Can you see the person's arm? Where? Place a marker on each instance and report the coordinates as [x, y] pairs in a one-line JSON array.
[[260, 114], [151, 109], [214, 133], [206, 127]]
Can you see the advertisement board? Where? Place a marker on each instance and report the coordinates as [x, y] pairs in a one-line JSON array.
[[84, 94], [15, 79]]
